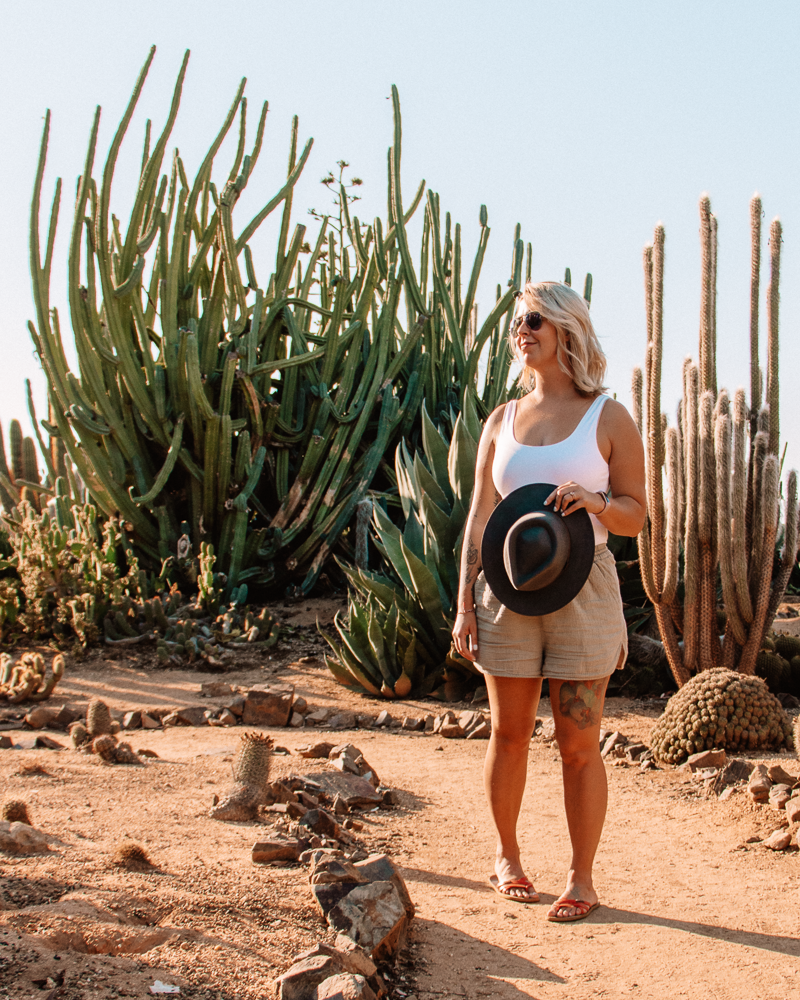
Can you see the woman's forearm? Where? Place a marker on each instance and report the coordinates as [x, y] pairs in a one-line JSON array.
[[622, 516], [470, 562]]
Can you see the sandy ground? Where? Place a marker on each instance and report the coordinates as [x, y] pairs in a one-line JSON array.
[[690, 908]]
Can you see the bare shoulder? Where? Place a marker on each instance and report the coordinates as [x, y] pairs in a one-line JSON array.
[[493, 423], [615, 419]]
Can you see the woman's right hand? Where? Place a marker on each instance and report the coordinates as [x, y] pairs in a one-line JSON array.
[[465, 635]]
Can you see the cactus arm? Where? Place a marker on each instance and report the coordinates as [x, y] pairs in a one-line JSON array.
[[755, 276], [769, 501], [708, 630], [499, 309], [456, 340], [725, 528], [707, 361], [739, 512], [166, 469], [789, 553], [397, 207], [672, 552], [773, 304], [477, 265], [284, 193]]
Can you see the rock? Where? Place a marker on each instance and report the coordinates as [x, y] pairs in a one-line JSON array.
[[365, 721], [148, 722], [451, 731], [788, 701], [384, 719], [319, 715], [329, 871], [381, 868], [480, 695], [281, 792], [468, 719], [779, 840], [734, 772], [372, 915], [793, 810], [357, 959], [635, 750], [322, 823], [307, 799], [779, 776], [482, 731], [759, 783], [132, 720], [314, 966], [40, 717], [315, 751], [20, 838], [343, 720], [388, 798], [548, 732], [192, 715], [612, 742], [6, 743], [728, 792], [354, 790], [64, 717], [448, 719], [345, 986], [236, 705], [144, 752], [708, 758], [266, 851], [46, 743], [297, 721], [215, 689], [779, 795], [413, 724], [429, 722], [227, 718], [300, 705], [268, 705]]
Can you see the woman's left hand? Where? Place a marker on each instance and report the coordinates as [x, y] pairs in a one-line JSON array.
[[571, 496]]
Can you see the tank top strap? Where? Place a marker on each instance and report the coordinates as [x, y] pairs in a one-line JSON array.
[[507, 426], [590, 420]]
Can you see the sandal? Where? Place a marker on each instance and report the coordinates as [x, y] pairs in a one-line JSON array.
[[523, 882], [579, 904]]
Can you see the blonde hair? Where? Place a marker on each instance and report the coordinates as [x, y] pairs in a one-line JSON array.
[[579, 353]]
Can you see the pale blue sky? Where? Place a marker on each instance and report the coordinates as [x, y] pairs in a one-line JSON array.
[[587, 122]]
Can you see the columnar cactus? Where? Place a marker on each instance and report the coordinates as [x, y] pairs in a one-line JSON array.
[[257, 413], [720, 513]]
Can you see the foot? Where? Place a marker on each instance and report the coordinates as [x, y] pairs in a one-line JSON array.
[[510, 880], [576, 901]]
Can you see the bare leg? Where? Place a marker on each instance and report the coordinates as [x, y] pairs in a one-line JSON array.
[[513, 701], [577, 711]]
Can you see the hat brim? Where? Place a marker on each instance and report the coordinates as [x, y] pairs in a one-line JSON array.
[[576, 570]]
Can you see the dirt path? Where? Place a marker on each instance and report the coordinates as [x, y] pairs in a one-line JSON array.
[[689, 908]]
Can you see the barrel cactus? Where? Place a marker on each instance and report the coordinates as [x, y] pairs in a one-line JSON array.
[[250, 773], [720, 708], [98, 718]]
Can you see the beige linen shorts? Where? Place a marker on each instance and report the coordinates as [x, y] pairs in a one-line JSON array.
[[585, 639]]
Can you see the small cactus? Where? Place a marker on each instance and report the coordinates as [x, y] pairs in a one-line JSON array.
[[16, 811], [98, 718], [125, 754], [105, 746], [250, 774], [78, 735], [131, 855]]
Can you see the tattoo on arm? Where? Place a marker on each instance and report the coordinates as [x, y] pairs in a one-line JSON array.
[[582, 702], [497, 498], [472, 553]]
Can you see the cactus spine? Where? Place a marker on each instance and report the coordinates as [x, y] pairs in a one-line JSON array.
[[723, 495]]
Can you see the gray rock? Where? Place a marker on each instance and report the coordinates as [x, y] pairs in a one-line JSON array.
[[318, 751], [300, 705], [266, 851], [707, 758], [374, 917], [65, 717], [45, 743], [6, 743], [343, 720], [413, 724], [322, 823], [482, 731], [149, 722], [780, 776], [429, 723], [192, 715], [451, 731], [319, 715], [635, 750], [236, 705], [314, 966], [227, 718], [734, 772], [354, 790], [345, 986], [297, 721], [480, 695], [381, 868], [333, 870], [384, 719], [779, 795], [613, 741], [793, 810], [268, 705]]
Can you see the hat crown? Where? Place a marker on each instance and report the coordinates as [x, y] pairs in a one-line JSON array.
[[536, 549]]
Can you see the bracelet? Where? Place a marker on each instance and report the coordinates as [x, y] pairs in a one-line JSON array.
[[466, 611], [606, 500]]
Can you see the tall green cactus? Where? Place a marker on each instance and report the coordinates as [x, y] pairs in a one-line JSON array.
[[257, 413], [720, 517]]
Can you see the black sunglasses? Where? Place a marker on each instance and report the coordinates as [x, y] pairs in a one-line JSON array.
[[533, 320]]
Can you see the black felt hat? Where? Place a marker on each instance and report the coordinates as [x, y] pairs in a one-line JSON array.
[[534, 559]]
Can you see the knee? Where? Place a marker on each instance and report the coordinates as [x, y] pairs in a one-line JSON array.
[[511, 740], [578, 757]]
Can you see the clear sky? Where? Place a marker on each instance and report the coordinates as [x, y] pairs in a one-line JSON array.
[[585, 122]]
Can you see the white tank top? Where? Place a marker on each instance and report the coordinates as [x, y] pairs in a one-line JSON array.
[[575, 458]]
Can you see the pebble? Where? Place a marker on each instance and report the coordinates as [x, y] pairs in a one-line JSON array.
[[779, 840]]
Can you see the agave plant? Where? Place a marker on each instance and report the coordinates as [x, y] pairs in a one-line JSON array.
[[255, 411], [398, 635]]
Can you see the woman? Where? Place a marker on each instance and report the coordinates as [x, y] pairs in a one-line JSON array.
[[567, 432]]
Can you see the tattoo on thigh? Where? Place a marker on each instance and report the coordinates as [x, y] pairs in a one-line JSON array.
[[582, 702]]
